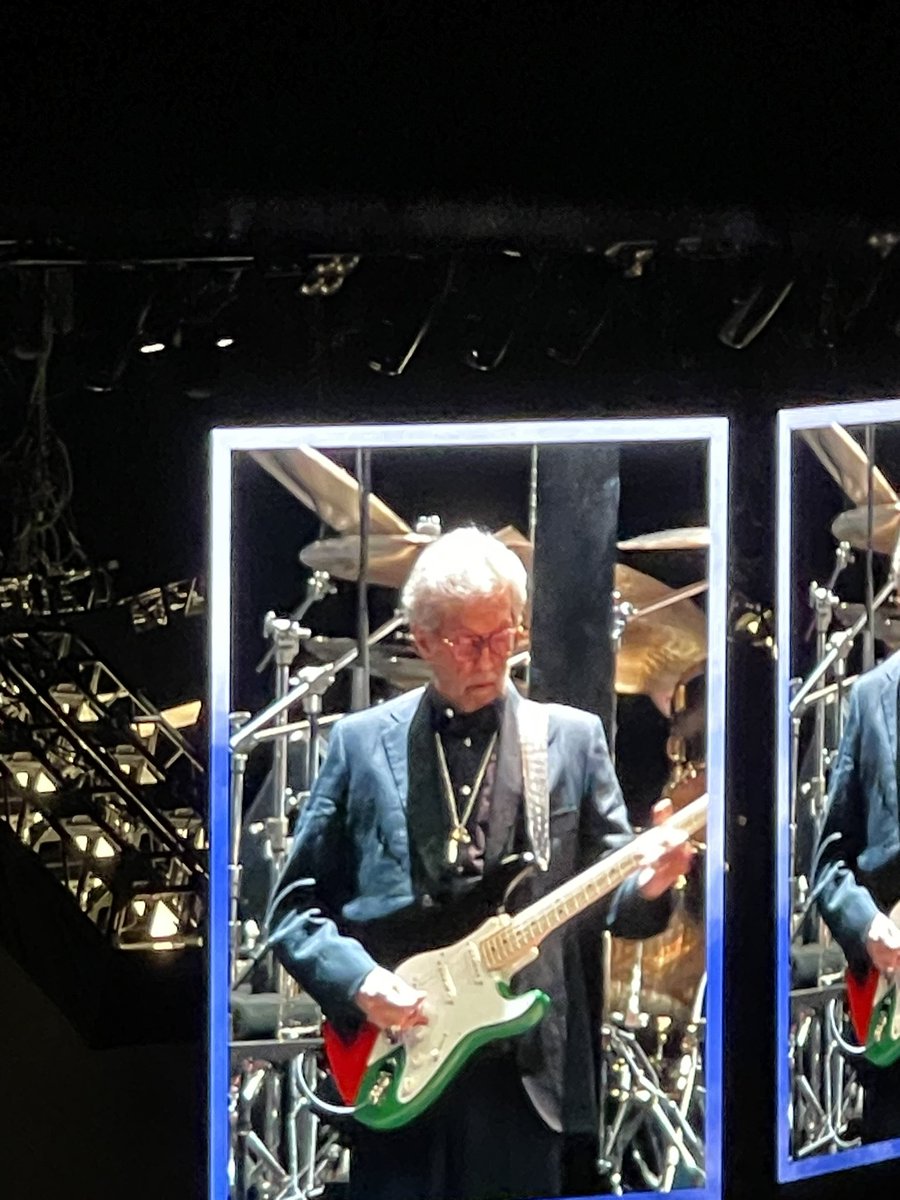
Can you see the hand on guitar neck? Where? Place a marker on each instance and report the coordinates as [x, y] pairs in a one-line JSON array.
[[669, 855], [389, 1002], [883, 944]]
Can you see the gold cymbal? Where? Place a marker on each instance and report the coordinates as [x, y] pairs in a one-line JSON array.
[[853, 526], [690, 538], [330, 491], [399, 666], [845, 460], [661, 649], [391, 556]]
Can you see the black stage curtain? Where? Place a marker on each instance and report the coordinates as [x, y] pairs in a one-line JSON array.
[[574, 565]]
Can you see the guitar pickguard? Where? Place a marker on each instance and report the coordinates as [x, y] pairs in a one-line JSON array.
[[473, 1006]]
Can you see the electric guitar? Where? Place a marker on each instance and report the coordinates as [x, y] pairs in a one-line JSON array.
[[875, 1012], [392, 1079]]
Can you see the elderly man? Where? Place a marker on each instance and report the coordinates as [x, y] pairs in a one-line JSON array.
[[417, 800], [857, 878]]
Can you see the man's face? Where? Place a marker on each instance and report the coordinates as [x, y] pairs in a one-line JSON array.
[[468, 670]]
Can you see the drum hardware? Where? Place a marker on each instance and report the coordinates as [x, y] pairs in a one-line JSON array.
[[306, 681], [279, 1147], [646, 1121], [318, 587]]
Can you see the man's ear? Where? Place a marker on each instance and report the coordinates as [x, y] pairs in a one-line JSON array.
[[424, 641]]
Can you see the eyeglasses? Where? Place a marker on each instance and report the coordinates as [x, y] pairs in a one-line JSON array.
[[468, 647]]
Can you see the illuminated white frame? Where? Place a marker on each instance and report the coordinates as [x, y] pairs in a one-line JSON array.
[[223, 444], [791, 421]]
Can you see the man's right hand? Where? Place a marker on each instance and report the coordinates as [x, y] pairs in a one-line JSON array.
[[389, 1002], [883, 944]]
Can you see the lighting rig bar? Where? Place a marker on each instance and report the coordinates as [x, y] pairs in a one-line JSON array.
[[105, 791]]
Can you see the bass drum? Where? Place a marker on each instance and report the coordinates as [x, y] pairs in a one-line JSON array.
[[662, 976]]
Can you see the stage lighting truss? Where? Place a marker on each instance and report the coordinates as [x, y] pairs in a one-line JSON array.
[[104, 789]]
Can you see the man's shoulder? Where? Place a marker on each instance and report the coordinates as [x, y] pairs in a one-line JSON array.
[[875, 682], [567, 719], [380, 716]]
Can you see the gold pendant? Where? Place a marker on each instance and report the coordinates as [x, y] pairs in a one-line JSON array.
[[457, 835]]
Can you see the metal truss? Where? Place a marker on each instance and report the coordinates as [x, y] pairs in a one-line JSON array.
[[108, 795]]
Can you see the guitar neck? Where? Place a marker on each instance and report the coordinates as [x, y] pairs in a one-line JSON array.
[[507, 946]]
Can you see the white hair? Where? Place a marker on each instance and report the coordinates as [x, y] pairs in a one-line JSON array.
[[465, 564]]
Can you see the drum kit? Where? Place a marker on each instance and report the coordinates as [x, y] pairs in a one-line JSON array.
[[826, 1093], [653, 1019]]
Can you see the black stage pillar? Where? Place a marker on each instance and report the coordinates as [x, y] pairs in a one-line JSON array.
[[574, 564]]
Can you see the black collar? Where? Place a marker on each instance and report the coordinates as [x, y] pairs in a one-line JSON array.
[[446, 720]]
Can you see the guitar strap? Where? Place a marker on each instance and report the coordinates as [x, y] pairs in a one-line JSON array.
[[533, 720]]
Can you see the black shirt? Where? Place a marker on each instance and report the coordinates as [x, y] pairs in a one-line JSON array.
[[465, 738]]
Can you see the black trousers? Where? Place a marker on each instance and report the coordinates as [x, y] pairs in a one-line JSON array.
[[881, 1102], [482, 1140]]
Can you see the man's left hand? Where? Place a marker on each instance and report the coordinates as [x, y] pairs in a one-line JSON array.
[[669, 856]]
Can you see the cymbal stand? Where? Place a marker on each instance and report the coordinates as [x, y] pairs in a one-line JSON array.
[[823, 602], [361, 693], [307, 680], [238, 773], [285, 635], [318, 587]]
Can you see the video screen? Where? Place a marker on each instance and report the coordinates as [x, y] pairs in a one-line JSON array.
[[838, 826], [467, 809]]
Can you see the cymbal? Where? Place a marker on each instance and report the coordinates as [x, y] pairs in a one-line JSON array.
[[391, 556], [853, 526], [845, 460], [887, 621], [687, 538], [330, 491], [400, 667], [660, 650]]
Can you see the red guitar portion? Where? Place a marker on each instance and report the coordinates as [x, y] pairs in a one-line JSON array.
[[861, 1002], [348, 1060]]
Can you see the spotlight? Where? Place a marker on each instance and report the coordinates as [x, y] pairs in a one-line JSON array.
[[224, 342], [153, 348]]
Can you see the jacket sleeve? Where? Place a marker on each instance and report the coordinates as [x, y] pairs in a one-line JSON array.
[[846, 906], [605, 827], [317, 880]]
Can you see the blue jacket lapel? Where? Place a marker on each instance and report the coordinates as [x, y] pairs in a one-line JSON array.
[[409, 746]]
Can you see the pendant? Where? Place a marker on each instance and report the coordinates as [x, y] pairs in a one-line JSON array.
[[457, 835]]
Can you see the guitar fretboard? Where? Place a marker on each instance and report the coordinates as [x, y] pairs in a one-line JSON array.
[[507, 946]]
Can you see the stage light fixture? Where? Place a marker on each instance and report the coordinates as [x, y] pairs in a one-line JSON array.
[[755, 308], [502, 291], [153, 348]]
